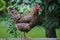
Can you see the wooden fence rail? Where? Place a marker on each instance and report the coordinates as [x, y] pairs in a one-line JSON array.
[[29, 39]]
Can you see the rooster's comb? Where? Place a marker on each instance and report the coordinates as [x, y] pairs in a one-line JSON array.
[[37, 7]]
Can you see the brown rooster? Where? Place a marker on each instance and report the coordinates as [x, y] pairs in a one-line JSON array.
[[24, 22]]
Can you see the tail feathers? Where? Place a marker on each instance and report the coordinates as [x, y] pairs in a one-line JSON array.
[[14, 13], [12, 10]]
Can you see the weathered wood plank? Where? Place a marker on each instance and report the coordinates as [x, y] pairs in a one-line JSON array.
[[31, 39]]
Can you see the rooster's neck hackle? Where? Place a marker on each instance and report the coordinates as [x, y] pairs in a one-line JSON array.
[[35, 10]]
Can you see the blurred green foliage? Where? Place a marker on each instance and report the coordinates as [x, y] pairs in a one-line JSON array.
[[2, 5]]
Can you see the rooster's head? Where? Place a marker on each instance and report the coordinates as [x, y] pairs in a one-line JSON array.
[[37, 7]]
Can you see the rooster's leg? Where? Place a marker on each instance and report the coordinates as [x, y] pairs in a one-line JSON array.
[[21, 35], [26, 36]]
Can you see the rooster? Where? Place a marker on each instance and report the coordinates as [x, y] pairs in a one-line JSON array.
[[25, 22]]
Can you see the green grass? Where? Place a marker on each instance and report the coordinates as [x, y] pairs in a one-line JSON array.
[[58, 33], [36, 32], [3, 30]]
